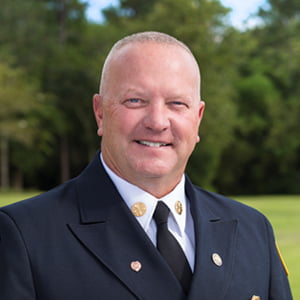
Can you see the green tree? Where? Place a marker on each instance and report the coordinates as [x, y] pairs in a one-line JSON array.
[[21, 107], [23, 33], [265, 150], [282, 52], [45, 37], [129, 9]]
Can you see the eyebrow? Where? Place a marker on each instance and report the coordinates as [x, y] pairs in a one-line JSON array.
[[136, 91]]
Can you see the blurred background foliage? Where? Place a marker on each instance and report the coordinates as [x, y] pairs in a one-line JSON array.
[[50, 62]]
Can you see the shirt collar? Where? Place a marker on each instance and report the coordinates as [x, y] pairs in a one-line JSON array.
[[132, 194]]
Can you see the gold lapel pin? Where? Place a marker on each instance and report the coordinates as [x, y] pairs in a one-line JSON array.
[[138, 209], [136, 266], [217, 259], [178, 207]]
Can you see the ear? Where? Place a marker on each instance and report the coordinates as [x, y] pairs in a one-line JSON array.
[[200, 114], [98, 112], [201, 110]]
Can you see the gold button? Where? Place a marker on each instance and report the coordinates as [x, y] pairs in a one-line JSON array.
[[136, 266], [138, 209], [178, 207], [217, 259]]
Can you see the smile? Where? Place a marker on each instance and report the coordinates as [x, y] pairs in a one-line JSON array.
[[152, 144]]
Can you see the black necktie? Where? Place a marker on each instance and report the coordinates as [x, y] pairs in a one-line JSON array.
[[169, 248]]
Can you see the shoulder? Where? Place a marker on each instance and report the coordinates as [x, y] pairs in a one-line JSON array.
[[226, 207], [62, 202], [251, 224], [60, 195], [43, 206]]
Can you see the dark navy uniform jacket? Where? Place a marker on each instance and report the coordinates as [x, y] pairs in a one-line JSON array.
[[78, 241]]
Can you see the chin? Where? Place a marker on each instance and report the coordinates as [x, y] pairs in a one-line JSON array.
[[153, 171]]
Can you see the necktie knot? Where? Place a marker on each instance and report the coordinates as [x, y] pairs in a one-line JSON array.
[[161, 213]]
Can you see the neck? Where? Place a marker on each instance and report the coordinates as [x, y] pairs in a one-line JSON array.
[[157, 187]]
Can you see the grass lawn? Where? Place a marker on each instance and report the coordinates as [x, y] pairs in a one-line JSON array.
[[284, 214], [282, 211], [10, 197]]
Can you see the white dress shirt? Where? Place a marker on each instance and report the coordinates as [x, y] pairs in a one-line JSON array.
[[180, 225]]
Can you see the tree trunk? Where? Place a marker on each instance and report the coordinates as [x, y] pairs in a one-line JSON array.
[[4, 162], [64, 159], [17, 181], [64, 146]]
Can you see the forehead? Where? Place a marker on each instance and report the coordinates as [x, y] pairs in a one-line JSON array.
[[150, 52], [153, 63]]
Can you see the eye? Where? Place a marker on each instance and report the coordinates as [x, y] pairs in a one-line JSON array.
[[133, 102], [178, 104]]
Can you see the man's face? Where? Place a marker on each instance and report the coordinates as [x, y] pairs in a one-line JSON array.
[[149, 112]]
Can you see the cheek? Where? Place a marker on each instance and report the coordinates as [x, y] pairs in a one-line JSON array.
[[190, 135], [119, 123], [189, 128]]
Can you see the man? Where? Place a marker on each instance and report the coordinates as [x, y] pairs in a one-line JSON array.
[[101, 235]]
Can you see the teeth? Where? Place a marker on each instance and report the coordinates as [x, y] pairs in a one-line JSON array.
[[151, 144]]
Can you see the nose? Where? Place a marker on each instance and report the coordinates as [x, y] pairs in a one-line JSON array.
[[157, 117]]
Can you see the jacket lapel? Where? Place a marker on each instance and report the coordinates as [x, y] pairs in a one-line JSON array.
[[112, 234], [215, 248]]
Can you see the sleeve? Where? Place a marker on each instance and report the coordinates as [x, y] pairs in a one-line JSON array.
[[279, 285], [16, 281]]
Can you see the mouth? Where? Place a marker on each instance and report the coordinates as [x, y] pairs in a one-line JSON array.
[[152, 144]]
